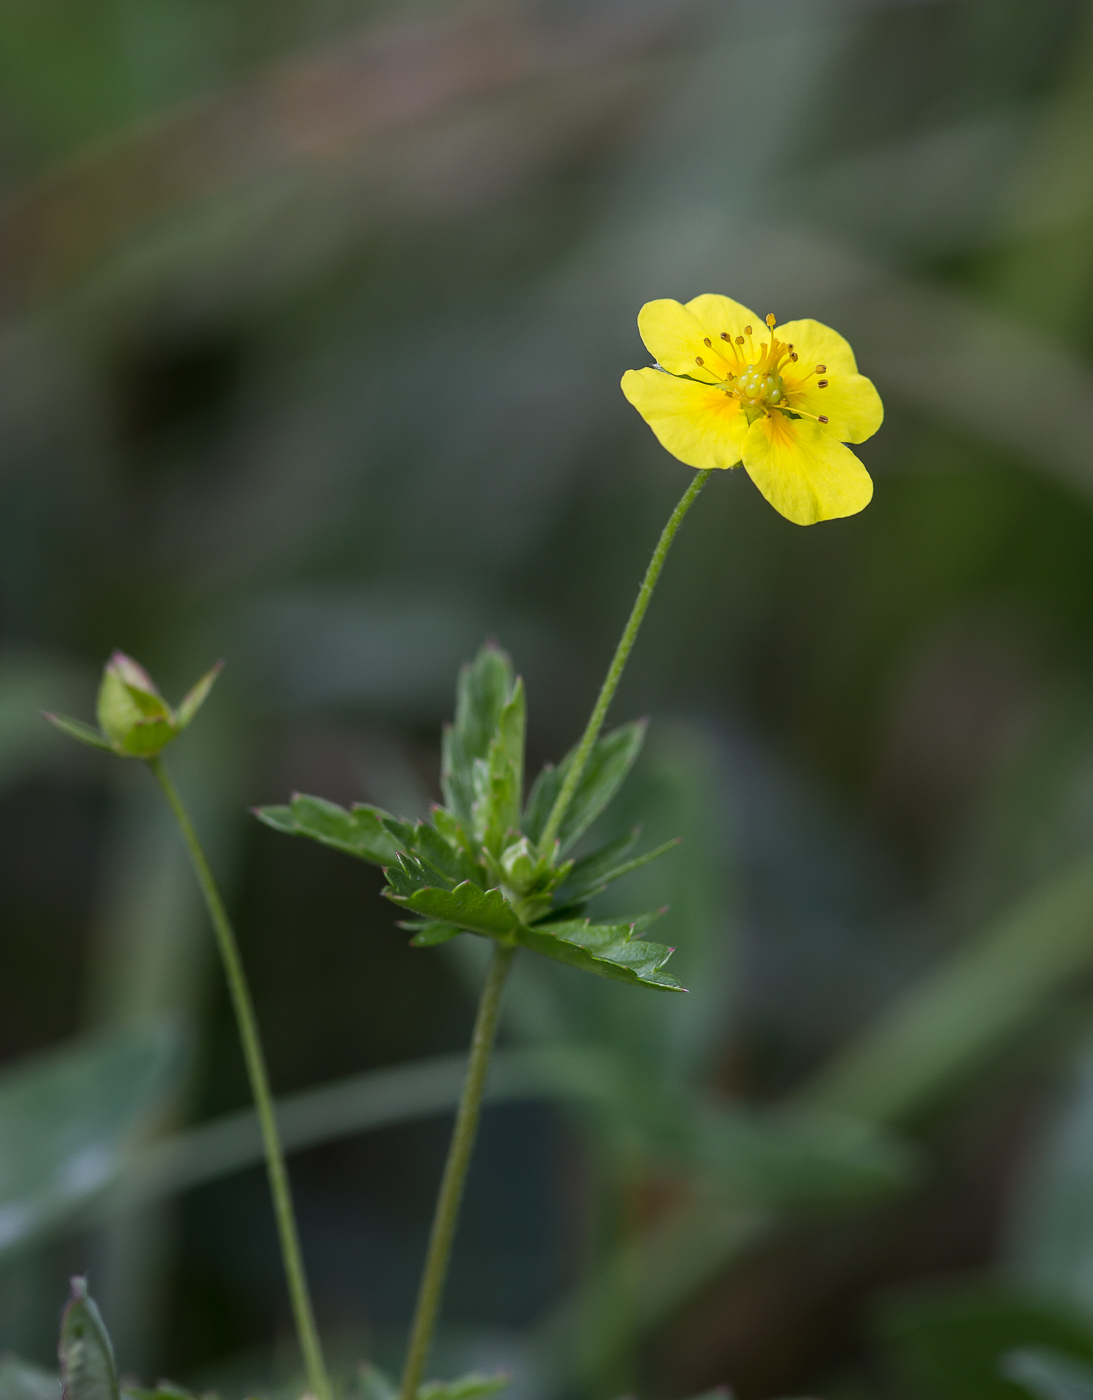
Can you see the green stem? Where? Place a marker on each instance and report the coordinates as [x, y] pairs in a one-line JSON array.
[[318, 1382], [455, 1173], [622, 652]]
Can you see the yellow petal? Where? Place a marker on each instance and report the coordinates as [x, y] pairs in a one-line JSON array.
[[816, 344], [699, 424], [719, 316], [676, 340], [804, 471], [850, 403]]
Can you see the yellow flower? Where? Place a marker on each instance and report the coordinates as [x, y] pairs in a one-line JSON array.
[[727, 390]]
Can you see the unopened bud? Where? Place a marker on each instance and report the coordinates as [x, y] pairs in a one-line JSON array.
[[134, 719]]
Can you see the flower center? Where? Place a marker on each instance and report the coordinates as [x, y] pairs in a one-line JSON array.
[[756, 386]]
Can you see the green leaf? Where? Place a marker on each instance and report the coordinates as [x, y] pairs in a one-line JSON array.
[[484, 689], [439, 852], [472, 1386], [87, 1357], [499, 782], [586, 885], [76, 729], [19, 1380], [407, 875], [612, 758], [609, 950], [479, 911], [362, 832], [1048, 1374], [196, 696], [429, 932]]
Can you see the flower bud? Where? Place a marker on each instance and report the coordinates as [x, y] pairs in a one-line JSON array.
[[134, 719]]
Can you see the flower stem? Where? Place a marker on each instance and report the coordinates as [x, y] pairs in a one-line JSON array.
[[618, 664], [455, 1173], [318, 1381]]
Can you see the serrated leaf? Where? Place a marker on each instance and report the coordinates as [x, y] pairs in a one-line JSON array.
[[361, 832], [574, 890], [499, 782], [612, 758], [608, 950], [467, 907], [407, 875], [76, 729], [196, 696], [482, 692], [472, 1386], [452, 861], [19, 1380], [87, 1356]]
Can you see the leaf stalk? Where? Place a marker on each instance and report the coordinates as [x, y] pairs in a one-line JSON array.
[[618, 664], [448, 1201]]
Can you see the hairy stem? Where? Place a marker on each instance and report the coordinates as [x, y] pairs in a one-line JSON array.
[[618, 664], [455, 1173], [318, 1381]]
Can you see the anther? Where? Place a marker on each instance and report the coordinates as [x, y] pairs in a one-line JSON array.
[[771, 323], [793, 356], [739, 340], [747, 330], [821, 419], [726, 336], [821, 369], [706, 340], [821, 384], [698, 359]]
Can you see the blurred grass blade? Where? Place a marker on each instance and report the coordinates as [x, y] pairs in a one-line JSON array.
[[66, 1121], [19, 1380], [1050, 1245], [1048, 1374], [945, 1028]]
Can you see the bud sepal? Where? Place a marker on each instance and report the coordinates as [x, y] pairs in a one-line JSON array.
[[134, 719]]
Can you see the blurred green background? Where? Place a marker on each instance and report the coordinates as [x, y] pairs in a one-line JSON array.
[[311, 323]]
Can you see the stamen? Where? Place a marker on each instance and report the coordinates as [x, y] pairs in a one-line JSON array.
[[707, 342], [771, 322], [821, 384], [739, 340], [793, 355], [821, 369], [747, 330], [698, 360], [821, 419], [726, 336]]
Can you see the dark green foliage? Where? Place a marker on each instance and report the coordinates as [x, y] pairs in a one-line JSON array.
[[953, 1343], [476, 867]]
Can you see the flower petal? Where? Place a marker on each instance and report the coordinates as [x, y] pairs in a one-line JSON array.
[[699, 424], [804, 471], [676, 340], [719, 316], [817, 344], [849, 402]]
